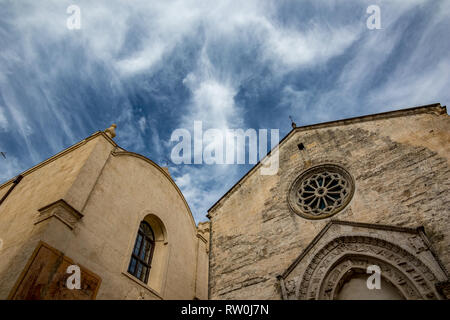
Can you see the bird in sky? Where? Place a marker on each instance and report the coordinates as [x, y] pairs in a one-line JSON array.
[[3, 154]]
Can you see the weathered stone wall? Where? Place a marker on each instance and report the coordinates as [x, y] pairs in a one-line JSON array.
[[343, 248], [128, 190], [18, 213], [202, 261], [106, 192], [400, 164]]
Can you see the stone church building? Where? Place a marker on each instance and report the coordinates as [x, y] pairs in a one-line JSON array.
[[349, 196], [116, 214]]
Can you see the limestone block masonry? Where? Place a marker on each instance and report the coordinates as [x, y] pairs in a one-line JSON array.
[[399, 162], [85, 205]]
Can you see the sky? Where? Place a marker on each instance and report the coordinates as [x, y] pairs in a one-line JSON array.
[[153, 67]]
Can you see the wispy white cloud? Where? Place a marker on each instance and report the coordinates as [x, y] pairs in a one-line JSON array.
[[200, 190], [292, 48], [3, 121], [398, 66], [413, 89], [142, 124], [157, 143], [130, 131], [139, 63]]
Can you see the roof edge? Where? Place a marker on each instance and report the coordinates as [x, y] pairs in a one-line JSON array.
[[151, 162], [60, 154], [379, 116], [370, 117]]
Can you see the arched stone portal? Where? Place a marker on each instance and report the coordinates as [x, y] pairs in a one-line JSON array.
[[353, 286], [411, 276], [337, 260]]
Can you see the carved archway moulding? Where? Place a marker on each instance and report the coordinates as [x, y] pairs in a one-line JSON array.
[[403, 254], [407, 273], [344, 270]]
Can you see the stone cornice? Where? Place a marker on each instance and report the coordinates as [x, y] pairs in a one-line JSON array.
[[60, 210], [435, 108], [60, 154]]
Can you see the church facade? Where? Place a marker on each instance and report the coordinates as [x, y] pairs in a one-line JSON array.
[[113, 216], [351, 198]]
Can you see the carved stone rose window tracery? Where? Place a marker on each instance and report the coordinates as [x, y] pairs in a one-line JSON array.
[[321, 191]]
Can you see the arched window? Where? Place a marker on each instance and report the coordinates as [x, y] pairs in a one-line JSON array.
[[141, 257]]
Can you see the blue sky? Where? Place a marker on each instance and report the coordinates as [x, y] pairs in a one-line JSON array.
[[155, 66]]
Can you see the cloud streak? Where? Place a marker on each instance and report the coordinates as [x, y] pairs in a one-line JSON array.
[[154, 66]]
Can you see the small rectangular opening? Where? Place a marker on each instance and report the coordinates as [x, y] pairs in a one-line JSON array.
[[301, 146]]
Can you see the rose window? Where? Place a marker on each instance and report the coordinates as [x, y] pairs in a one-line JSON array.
[[321, 191]]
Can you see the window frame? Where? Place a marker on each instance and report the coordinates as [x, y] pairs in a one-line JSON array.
[[292, 195], [145, 237]]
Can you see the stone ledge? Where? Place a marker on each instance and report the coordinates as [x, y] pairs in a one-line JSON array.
[[60, 210], [143, 285]]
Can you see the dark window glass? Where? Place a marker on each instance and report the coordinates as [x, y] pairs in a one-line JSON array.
[[132, 265], [142, 252]]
